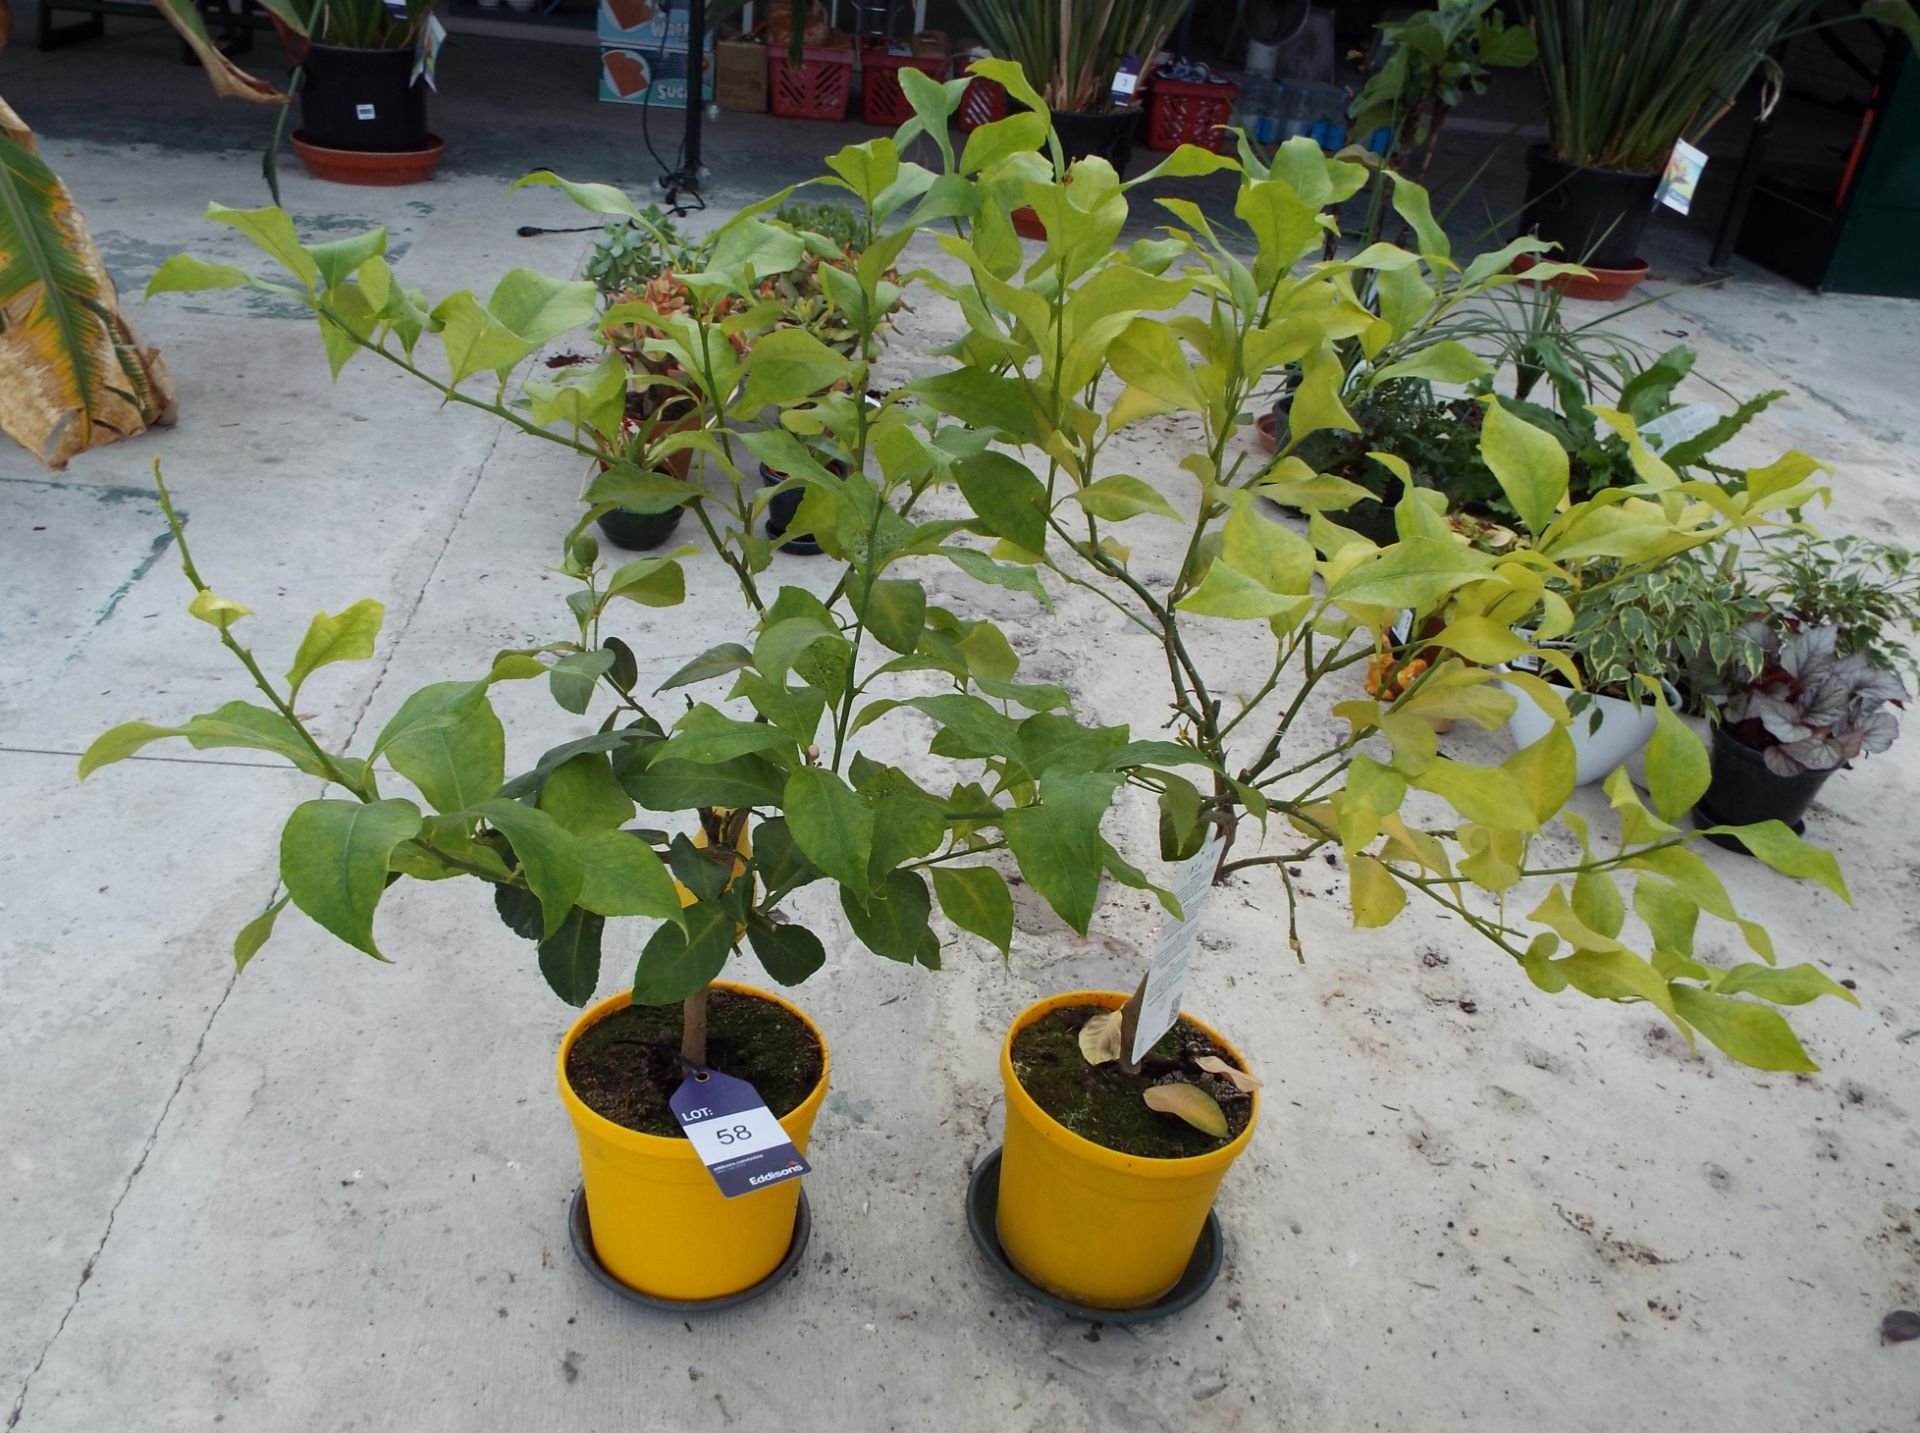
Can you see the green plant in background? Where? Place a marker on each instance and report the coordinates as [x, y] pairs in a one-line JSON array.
[[1803, 705], [835, 223], [1623, 80], [1683, 617], [1062, 350], [1068, 51], [628, 256], [1868, 591], [1428, 62]]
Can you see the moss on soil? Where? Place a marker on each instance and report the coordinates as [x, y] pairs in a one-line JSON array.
[[1105, 1104], [624, 1068]]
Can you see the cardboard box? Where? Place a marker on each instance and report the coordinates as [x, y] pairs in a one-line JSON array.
[[650, 24], [740, 75], [636, 74]]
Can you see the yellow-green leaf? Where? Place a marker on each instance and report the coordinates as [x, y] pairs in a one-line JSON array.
[[1376, 895], [343, 637], [1529, 463]]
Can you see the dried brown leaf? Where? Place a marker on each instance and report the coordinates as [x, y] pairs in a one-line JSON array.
[[1190, 1103], [1100, 1038], [1240, 1079]]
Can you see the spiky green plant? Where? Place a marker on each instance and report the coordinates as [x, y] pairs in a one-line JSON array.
[[1624, 79], [1071, 48]]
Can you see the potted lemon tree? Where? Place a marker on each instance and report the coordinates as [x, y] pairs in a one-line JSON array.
[[765, 777]]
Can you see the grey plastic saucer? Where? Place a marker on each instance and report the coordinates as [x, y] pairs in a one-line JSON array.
[[983, 1199], [582, 1234]]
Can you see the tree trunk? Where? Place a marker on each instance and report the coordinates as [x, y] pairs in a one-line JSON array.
[[693, 1027]]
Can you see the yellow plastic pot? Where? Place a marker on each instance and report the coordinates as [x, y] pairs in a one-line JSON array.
[[1086, 1223], [660, 1225]]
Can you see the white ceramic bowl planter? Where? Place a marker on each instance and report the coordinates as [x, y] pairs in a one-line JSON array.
[[1621, 730]]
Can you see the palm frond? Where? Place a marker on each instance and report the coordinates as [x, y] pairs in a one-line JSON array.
[[72, 373]]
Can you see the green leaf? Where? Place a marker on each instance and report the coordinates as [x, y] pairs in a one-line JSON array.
[[1057, 842], [1448, 361], [650, 581], [447, 740], [1488, 794], [216, 611], [982, 400], [1670, 916], [583, 796], [333, 859], [976, 899], [892, 920], [539, 307], [1416, 573], [254, 934], [184, 274], [475, 340], [1677, 766], [708, 735], [788, 365], [345, 637], [1774, 843], [1529, 463], [1228, 592], [788, 953], [273, 232], [570, 957], [1118, 497], [982, 568], [1754, 1034], [1787, 985], [896, 613], [714, 662], [1544, 771], [571, 679], [780, 864], [622, 876], [688, 785], [1006, 496], [1411, 203], [831, 824], [548, 854], [1377, 897], [1598, 903], [675, 963]]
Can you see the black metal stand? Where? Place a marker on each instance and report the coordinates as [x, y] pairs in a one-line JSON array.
[[686, 180]]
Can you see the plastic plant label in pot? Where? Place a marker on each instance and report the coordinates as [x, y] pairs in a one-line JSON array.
[[1093, 1226]]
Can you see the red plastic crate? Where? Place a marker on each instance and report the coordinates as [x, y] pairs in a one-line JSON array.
[[882, 101], [984, 102], [817, 88], [1181, 112]]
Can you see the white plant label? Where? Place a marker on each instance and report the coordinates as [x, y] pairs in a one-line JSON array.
[[363, 111], [1167, 976], [1682, 178]]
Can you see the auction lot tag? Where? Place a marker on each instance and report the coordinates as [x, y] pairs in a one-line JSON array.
[[734, 1133]]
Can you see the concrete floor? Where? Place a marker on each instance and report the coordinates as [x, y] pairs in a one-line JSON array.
[[331, 1195]]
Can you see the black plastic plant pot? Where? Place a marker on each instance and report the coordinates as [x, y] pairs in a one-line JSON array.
[[1108, 135], [1596, 216], [1744, 790], [363, 99], [639, 531], [782, 508]]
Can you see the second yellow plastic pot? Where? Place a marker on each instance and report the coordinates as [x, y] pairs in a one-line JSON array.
[[660, 1225], [1086, 1223]]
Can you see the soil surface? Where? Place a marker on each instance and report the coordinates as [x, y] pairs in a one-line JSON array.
[[1105, 1104], [625, 1067]]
